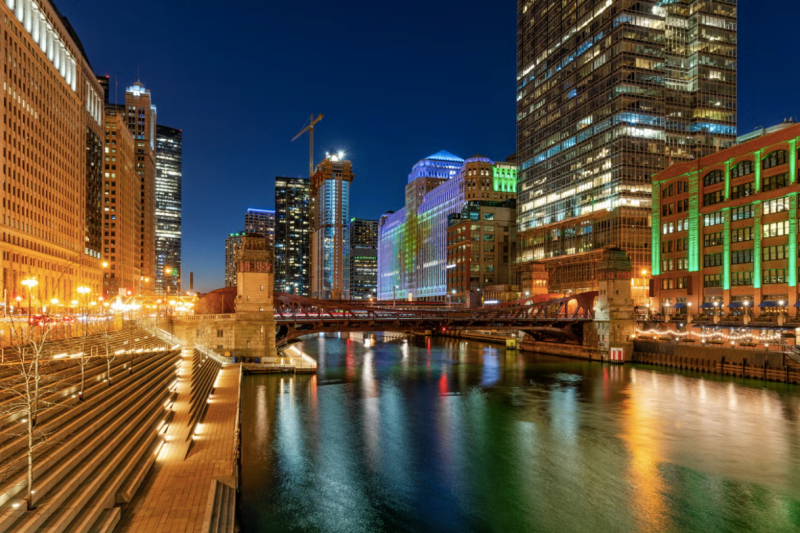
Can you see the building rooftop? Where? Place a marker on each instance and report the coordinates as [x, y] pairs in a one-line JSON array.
[[444, 155]]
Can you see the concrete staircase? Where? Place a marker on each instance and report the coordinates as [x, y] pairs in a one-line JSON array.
[[97, 451], [221, 507], [204, 373]]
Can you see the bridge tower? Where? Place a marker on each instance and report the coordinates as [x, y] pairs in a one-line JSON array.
[[614, 324], [255, 317]]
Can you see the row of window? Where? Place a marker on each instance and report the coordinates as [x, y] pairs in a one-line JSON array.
[[739, 279]]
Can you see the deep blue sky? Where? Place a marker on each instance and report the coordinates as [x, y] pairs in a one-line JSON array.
[[396, 81]]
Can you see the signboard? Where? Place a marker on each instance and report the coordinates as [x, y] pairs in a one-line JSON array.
[[254, 266], [616, 355]]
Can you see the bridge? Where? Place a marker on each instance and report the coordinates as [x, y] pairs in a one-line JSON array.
[[559, 319]]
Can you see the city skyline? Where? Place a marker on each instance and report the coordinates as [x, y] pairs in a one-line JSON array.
[[423, 121]]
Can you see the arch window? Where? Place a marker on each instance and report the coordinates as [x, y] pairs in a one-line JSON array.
[[776, 158], [715, 176], [743, 169]]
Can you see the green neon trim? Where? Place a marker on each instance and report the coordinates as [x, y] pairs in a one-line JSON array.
[[504, 179], [792, 240], [728, 179], [757, 246], [757, 164], [793, 161], [694, 222], [655, 251], [726, 259]]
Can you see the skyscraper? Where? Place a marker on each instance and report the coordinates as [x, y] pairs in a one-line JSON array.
[[169, 174], [610, 92], [292, 219], [363, 259], [51, 214], [330, 237], [232, 245], [412, 243], [141, 115], [121, 207], [261, 221]]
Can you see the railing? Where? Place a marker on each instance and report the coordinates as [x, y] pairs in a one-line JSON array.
[[793, 353]]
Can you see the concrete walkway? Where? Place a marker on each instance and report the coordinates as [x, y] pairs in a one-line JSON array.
[[174, 496]]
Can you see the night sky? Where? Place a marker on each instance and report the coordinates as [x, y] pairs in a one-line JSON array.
[[396, 82]]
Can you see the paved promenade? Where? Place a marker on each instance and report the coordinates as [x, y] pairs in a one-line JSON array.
[[174, 496]]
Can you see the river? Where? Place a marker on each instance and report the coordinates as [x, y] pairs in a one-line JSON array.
[[448, 435]]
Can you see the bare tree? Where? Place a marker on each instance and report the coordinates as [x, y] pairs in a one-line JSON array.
[[27, 386], [107, 327]]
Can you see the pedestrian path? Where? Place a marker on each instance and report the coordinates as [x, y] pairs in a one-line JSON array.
[[174, 497]]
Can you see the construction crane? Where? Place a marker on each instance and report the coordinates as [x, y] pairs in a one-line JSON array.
[[310, 129]]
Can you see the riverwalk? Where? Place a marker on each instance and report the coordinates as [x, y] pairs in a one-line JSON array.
[[175, 495]]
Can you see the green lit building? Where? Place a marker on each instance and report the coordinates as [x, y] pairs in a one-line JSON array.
[[412, 242], [725, 227]]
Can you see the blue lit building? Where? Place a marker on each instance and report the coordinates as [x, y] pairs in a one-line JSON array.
[[330, 233], [412, 243]]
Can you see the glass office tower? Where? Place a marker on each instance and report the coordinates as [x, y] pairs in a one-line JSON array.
[[609, 92], [169, 173]]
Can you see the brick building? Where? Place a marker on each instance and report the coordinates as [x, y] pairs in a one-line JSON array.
[[725, 228]]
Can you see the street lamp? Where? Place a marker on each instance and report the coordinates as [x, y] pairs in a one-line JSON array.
[[83, 291], [30, 283]]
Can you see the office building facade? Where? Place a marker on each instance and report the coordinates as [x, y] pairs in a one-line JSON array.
[[233, 244], [330, 235], [261, 221], [169, 176], [142, 120], [363, 259], [610, 92], [51, 212], [481, 243], [725, 228], [121, 207], [412, 247], [292, 235]]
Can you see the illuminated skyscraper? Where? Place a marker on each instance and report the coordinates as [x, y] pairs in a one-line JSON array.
[[52, 198], [169, 174], [608, 93], [292, 215], [330, 236], [261, 221], [363, 259], [233, 244], [141, 115], [412, 243]]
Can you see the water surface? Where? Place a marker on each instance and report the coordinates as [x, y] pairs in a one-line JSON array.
[[446, 435]]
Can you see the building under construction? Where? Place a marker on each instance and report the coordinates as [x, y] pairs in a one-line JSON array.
[[330, 236]]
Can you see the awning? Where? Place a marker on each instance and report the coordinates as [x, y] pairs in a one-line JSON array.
[[736, 305], [797, 303], [769, 303], [679, 305], [707, 305]]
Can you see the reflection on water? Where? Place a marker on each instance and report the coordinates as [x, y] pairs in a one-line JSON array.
[[445, 435]]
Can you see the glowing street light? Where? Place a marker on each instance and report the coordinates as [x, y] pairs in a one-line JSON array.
[[30, 283]]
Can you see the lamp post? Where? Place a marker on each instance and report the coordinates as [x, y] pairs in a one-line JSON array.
[[30, 283], [83, 291]]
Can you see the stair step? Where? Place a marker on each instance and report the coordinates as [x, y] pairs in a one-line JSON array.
[[108, 521], [57, 464]]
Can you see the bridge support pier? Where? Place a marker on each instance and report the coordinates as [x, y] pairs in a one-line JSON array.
[[614, 325]]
